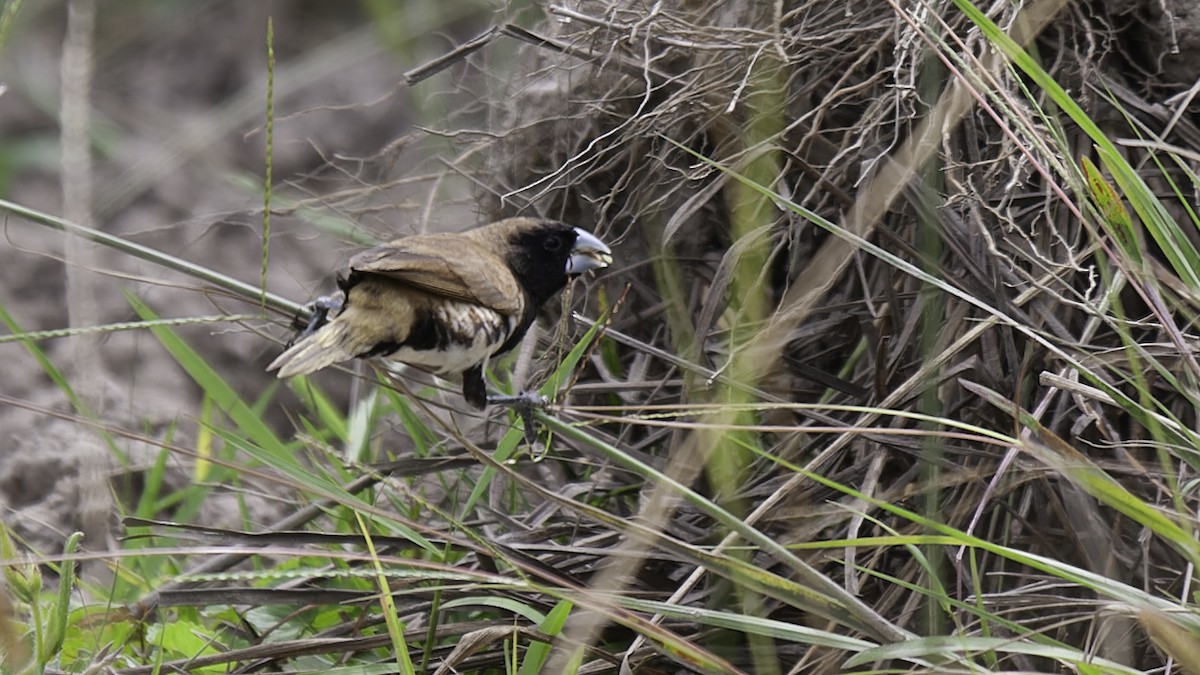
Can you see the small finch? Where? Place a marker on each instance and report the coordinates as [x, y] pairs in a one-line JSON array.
[[445, 302]]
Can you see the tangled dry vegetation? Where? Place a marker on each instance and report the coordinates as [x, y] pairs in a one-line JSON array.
[[848, 112]]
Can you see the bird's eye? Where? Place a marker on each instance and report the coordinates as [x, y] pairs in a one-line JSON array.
[[552, 243]]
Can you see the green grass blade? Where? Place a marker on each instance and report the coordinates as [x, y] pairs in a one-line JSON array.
[[209, 380]]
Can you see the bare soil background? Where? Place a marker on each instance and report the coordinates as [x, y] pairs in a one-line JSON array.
[[179, 98]]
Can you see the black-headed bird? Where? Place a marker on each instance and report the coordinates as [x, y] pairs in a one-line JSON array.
[[445, 302]]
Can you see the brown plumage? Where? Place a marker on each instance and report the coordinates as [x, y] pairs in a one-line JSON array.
[[445, 302]]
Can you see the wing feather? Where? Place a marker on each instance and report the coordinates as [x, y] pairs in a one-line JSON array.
[[447, 265]]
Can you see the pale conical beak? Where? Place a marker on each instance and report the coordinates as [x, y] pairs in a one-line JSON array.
[[589, 253]]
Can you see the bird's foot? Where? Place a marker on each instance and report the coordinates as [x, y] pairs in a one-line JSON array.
[[319, 311], [525, 400], [523, 404]]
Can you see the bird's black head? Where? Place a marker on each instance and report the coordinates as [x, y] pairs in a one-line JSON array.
[[544, 254]]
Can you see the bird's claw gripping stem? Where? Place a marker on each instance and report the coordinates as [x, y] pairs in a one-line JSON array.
[[525, 400], [319, 314], [523, 404]]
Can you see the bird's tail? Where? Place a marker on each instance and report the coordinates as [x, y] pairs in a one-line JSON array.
[[331, 344]]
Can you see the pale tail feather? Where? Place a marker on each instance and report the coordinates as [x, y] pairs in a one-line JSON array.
[[327, 346]]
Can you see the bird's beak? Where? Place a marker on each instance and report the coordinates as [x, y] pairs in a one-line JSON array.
[[589, 253]]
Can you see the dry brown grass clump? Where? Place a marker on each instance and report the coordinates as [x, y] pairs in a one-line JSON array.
[[849, 112]]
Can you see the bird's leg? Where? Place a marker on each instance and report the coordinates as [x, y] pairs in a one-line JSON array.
[[319, 314], [475, 392]]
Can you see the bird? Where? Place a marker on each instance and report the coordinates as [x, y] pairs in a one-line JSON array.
[[444, 302]]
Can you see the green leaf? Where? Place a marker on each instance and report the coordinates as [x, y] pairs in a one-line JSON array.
[[215, 386], [552, 625]]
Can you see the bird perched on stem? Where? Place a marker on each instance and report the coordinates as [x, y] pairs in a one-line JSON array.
[[445, 302]]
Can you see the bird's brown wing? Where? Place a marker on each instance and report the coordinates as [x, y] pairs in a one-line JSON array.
[[448, 265]]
